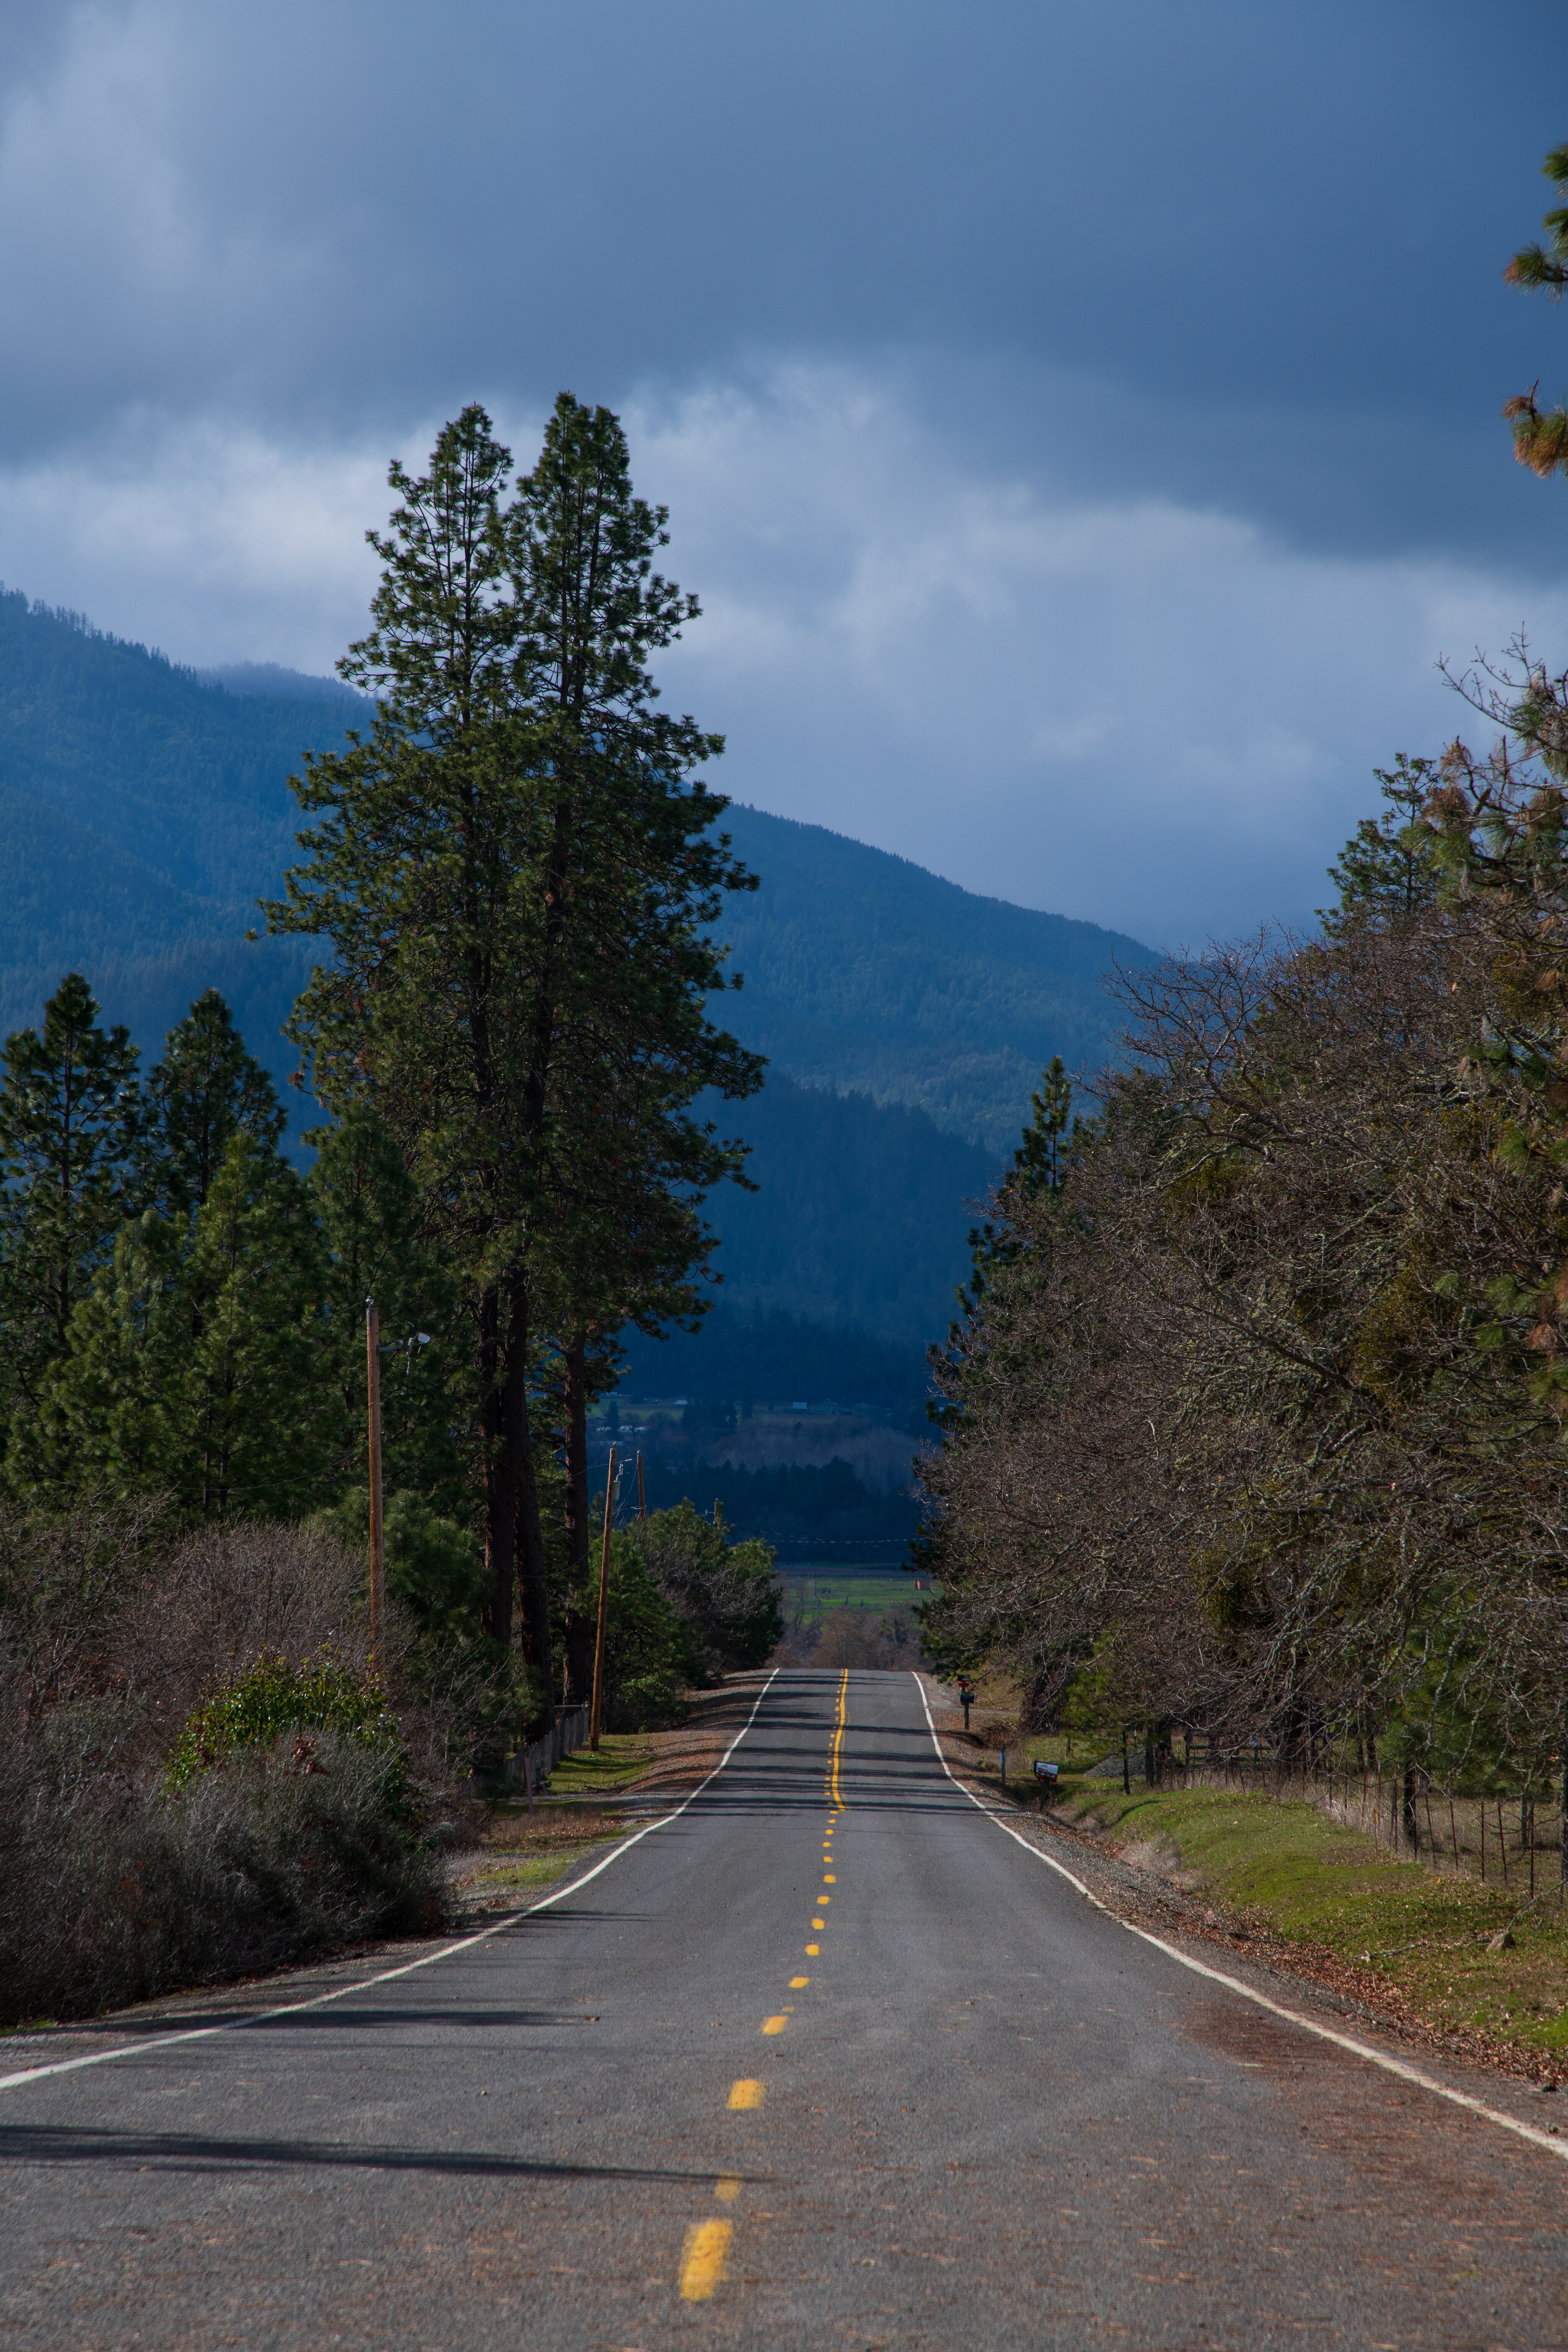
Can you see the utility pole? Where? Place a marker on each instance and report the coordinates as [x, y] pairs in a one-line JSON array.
[[377, 1535], [604, 1602]]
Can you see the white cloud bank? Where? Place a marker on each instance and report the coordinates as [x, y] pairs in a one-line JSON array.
[[1123, 708]]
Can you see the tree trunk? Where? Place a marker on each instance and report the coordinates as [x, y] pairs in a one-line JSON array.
[[499, 1472], [581, 1617], [528, 1534], [1411, 1829]]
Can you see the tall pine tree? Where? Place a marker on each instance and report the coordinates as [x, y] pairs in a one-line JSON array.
[[205, 1090], [517, 881]]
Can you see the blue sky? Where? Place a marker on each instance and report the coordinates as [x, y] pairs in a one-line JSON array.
[[1081, 424]]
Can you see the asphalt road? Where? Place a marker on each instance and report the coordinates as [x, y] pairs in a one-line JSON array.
[[966, 2109]]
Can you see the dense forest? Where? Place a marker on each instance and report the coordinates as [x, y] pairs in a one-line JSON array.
[[865, 973], [759, 1355]]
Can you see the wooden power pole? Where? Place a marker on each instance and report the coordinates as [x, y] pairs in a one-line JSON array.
[[377, 1533], [604, 1602]]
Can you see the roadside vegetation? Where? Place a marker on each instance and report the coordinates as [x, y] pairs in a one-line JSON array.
[[508, 875], [1255, 1418]]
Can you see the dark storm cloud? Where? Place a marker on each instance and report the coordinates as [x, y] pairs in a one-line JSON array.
[[1081, 423], [1264, 244]]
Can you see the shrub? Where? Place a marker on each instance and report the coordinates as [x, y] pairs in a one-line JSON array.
[[271, 1696], [180, 1804]]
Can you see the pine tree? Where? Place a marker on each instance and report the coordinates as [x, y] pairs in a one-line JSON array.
[[205, 1090], [1038, 1167], [1541, 436], [1388, 868], [517, 885], [262, 1431], [199, 1363], [368, 1210], [69, 1127], [1038, 1172]]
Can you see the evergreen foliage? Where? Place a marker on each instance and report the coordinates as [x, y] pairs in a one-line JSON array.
[[1541, 436], [724, 1592], [205, 1090], [196, 1364], [270, 1697], [792, 1505], [754, 1355], [868, 976], [1388, 867], [69, 1128], [516, 883]]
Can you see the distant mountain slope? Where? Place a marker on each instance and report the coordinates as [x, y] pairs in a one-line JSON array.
[[863, 970], [144, 809], [142, 813], [862, 1215]]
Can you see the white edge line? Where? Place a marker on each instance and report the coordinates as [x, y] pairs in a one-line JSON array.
[[1425, 2081], [427, 1960]]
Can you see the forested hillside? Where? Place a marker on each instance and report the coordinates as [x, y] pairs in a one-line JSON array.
[[865, 971], [143, 809]]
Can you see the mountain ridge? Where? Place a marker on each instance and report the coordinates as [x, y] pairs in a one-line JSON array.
[[144, 808]]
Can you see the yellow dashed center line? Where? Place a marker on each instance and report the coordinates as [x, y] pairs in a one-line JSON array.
[[702, 2259], [834, 1790], [812, 1951], [706, 2247]]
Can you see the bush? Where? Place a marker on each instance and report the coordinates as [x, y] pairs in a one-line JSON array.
[[271, 1698], [725, 1594], [177, 1803]]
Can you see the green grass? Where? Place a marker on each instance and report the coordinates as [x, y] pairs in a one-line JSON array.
[[518, 1874], [846, 1589], [621, 1757]]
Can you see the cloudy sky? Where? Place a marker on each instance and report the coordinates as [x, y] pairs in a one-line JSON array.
[[1080, 423]]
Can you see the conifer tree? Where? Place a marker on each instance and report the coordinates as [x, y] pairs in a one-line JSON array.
[[1038, 1172], [199, 1364], [69, 1121], [368, 1210], [263, 1431], [1388, 868], [514, 877], [204, 1090], [1541, 436]]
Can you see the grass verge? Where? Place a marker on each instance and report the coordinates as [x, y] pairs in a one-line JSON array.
[[500, 1884]]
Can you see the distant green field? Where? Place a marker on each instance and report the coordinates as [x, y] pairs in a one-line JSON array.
[[848, 1588]]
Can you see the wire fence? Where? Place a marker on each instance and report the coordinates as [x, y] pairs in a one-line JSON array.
[[1515, 1840]]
